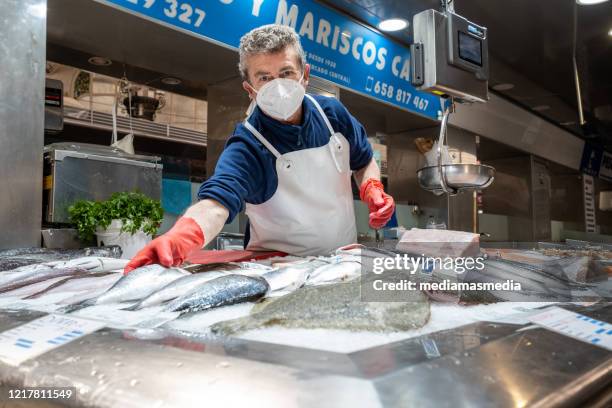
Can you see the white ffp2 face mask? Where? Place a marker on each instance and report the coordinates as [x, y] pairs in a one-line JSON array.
[[281, 97]]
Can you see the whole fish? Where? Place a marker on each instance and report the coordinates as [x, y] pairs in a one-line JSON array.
[[334, 273], [68, 284], [84, 289], [46, 254], [288, 278], [13, 263], [179, 287], [225, 290], [28, 290], [335, 306], [137, 285], [39, 272], [22, 272], [359, 250], [25, 279]]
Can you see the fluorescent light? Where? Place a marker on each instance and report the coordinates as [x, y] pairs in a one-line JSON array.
[[589, 2], [171, 81], [610, 32], [503, 87], [100, 61], [540, 108], [393, 24]]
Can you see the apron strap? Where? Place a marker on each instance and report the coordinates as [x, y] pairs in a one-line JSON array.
[[262, 139], [323, 115]]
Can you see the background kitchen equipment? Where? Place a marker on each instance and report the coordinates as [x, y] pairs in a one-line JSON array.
[[90, 172], [452, 178], [54, 106]]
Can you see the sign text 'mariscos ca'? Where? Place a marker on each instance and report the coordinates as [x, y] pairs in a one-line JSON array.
[[338, 49]]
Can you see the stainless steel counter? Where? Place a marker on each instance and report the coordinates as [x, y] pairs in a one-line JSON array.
[[482, 364]]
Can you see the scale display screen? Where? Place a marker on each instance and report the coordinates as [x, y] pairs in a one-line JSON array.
[[470, 49]]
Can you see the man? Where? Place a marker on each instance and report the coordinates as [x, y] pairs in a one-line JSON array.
[[290, 162]]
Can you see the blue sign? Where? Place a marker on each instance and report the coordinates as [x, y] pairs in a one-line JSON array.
[[338, 49]]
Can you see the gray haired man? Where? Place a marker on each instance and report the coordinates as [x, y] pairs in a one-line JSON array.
[[289, 165]]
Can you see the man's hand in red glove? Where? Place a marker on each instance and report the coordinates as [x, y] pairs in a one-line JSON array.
[[171, 248], [380, 204]]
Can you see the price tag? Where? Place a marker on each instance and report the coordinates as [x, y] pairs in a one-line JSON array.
[[41, 335], [575, 325]]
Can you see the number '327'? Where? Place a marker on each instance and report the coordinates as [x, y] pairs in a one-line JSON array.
[[185, 12]]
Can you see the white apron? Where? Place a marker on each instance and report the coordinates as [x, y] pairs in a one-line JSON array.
[[311, 212]]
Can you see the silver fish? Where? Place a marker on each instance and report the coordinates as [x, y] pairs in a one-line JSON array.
[[334, 273], [28, 290], [46, 254], [7, 264], [336, 306], [225, 290], [179, 287], [288, 278], [86, 288], [22, 279], [136, 285], [90, 264], [68, 284]]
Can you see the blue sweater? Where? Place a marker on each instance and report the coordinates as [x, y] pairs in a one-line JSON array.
[[246, 170]]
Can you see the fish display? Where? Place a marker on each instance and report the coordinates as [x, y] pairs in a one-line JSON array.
[[181, 286], [29, 274], [334, 306], [537, 283], [24, 279], [83, 289], [138, 284], [288, 278], [225, 290], [26, 291], [46, 254], [15, 258], [13, 263], [69, 284], [334, 273]]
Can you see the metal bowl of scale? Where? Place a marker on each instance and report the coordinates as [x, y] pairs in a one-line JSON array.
[[458, 177]]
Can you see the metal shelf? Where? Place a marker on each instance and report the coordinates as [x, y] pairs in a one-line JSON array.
[[141, 127]]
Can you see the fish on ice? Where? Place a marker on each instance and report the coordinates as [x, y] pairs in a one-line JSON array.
[[225, 290], [334, 306], [136, 285], [181, 286]]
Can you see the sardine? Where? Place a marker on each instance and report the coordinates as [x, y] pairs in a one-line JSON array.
[[334, 273], [335, 306], [136, 285], [179, 287], [225, 290]]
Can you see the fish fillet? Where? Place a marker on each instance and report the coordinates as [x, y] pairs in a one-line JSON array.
[[335, 306]]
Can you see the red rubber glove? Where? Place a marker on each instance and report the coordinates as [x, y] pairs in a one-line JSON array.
[[171, 248], [380, 204]]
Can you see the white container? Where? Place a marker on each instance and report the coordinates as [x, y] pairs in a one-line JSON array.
[[130, 244]]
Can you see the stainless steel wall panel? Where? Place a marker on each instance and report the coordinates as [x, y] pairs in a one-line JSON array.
[[507, 123], [541, 192], [22, 84]]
